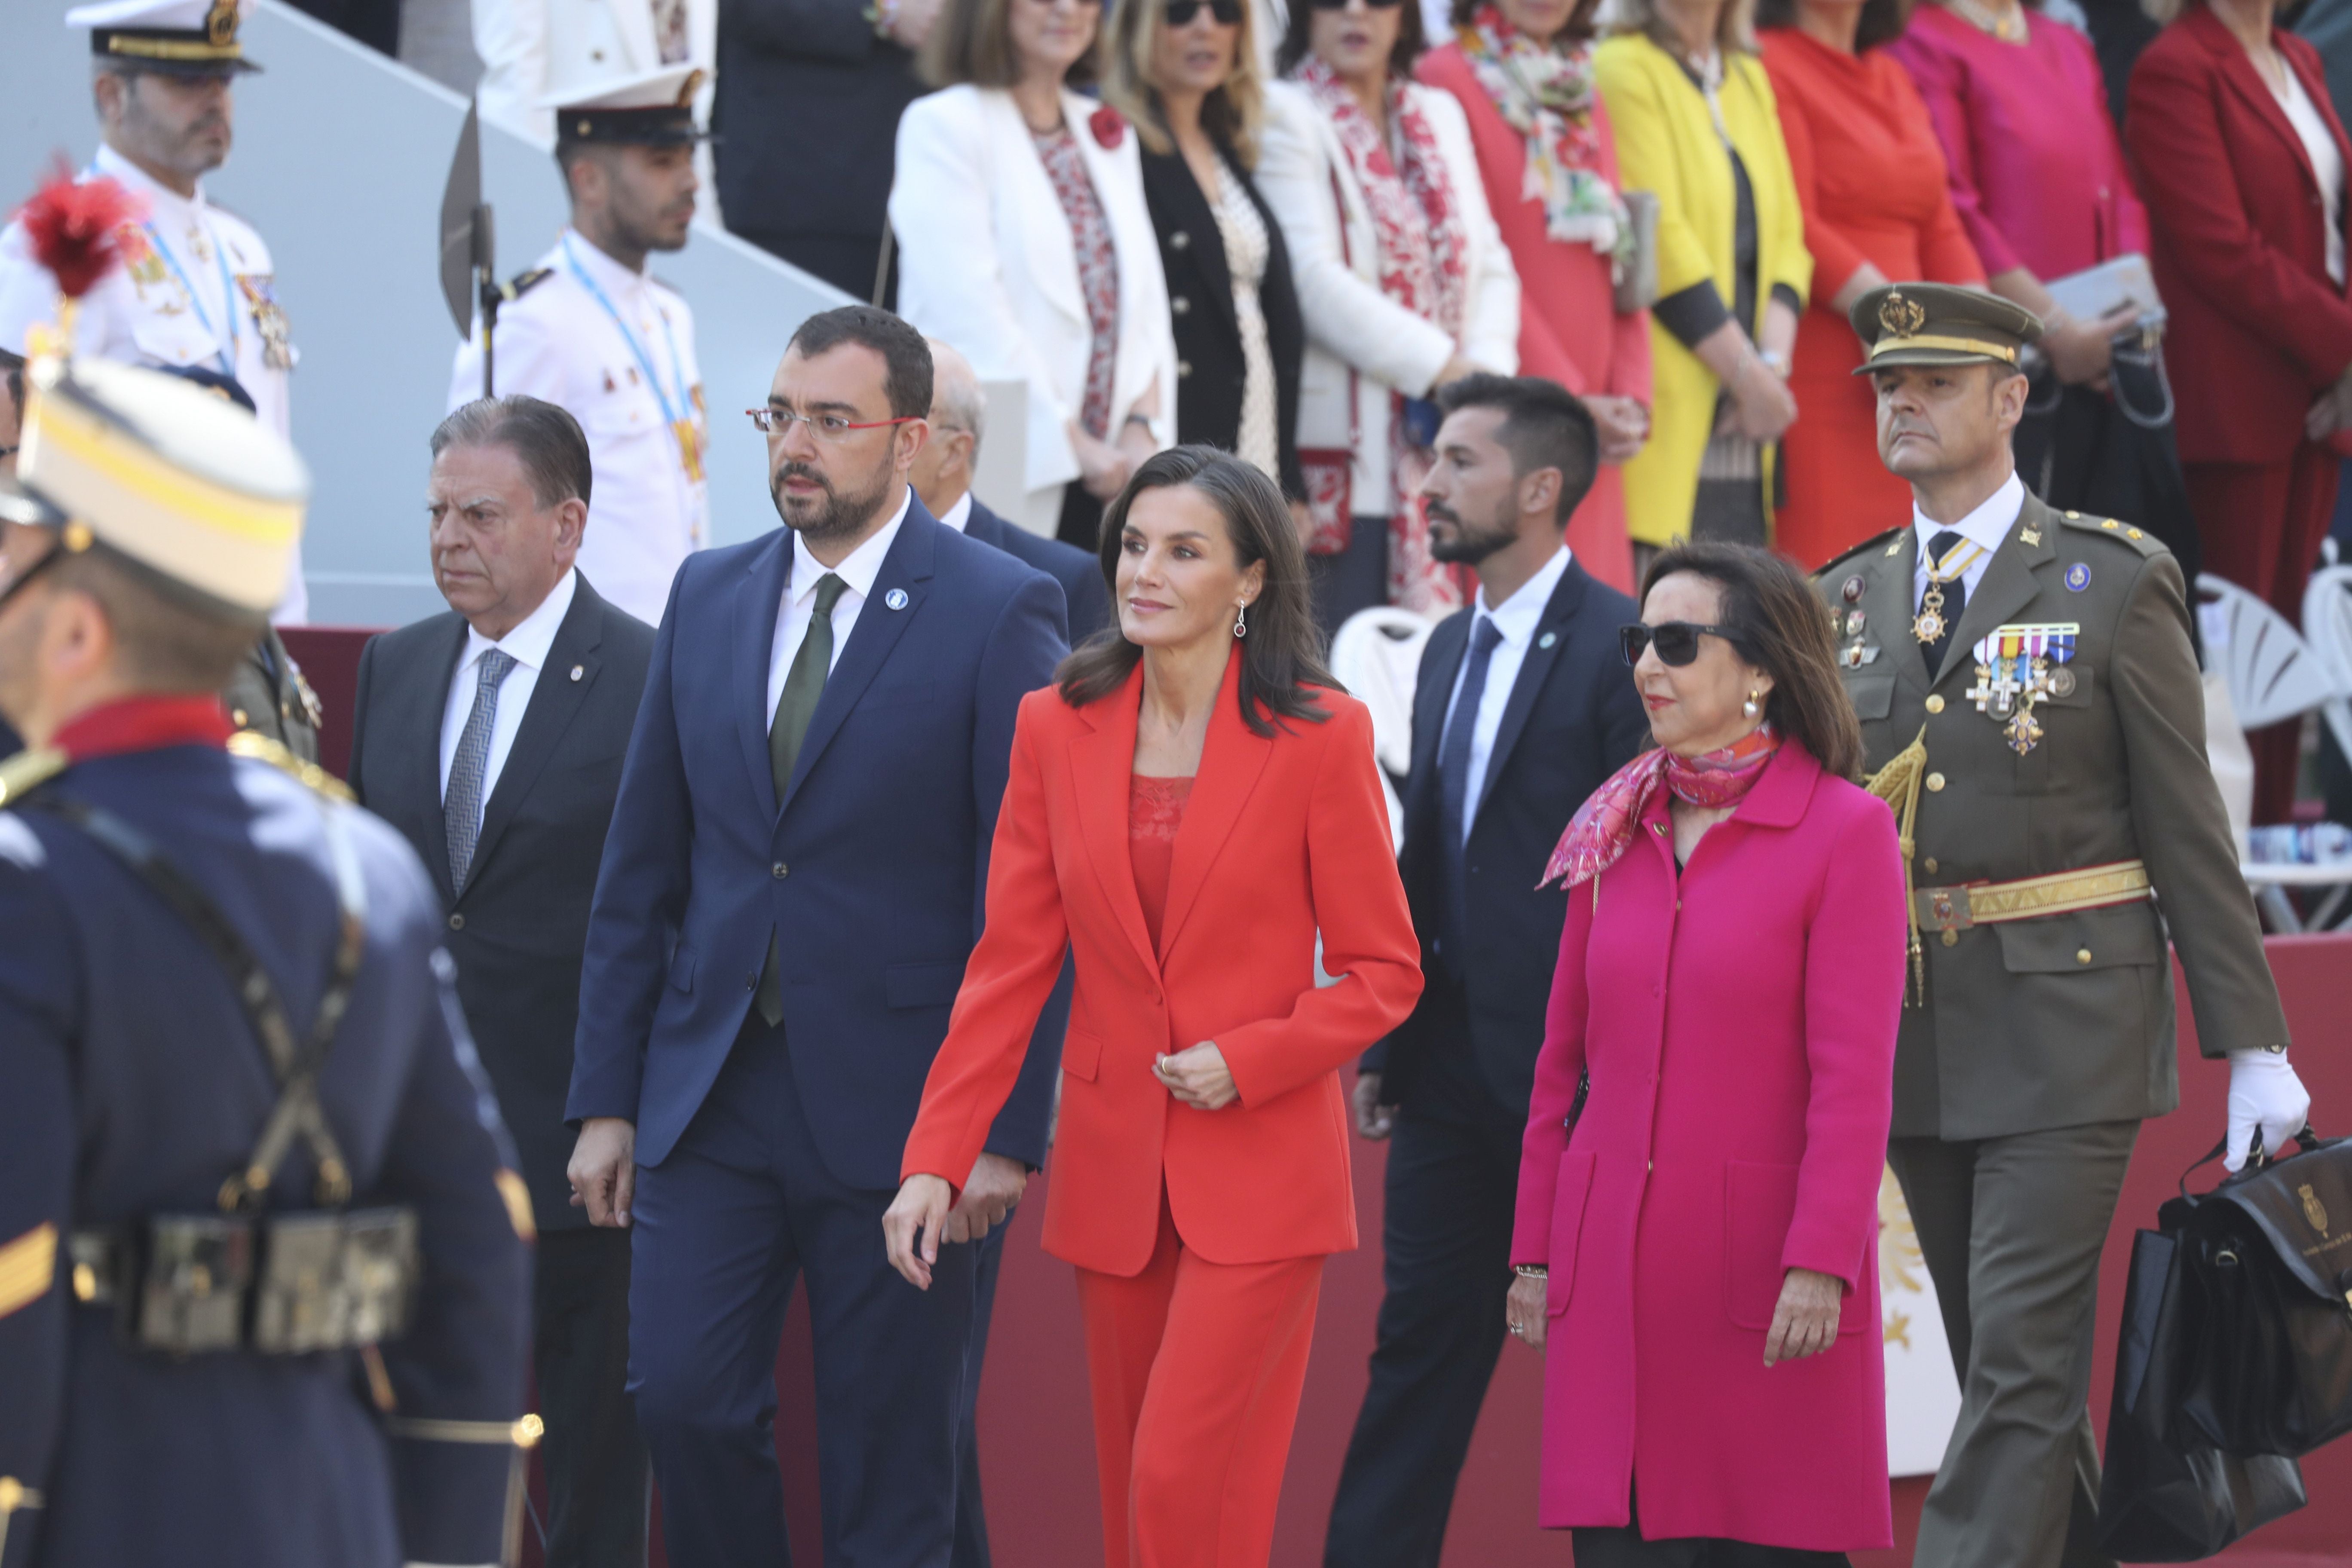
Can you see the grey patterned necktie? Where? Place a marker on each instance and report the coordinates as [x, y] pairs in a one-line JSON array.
[[462, 807]]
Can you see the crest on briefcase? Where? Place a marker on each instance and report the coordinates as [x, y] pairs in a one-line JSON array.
[[2313, 1209], [1899, 316]]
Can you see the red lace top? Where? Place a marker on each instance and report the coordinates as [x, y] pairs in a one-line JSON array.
[[1155, 809]]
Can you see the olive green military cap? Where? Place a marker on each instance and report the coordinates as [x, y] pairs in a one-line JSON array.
[[1936, 323]]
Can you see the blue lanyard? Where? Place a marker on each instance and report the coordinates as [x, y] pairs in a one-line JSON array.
[[675, 415], [227, 356]]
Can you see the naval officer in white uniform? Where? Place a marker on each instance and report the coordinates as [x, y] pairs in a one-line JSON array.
[[589, 329], [198, 289]]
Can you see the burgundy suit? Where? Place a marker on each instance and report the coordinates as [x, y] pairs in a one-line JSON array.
[[2257, 328], [1739, 1022]]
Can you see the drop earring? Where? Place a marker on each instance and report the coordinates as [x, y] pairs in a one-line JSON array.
[[1755, 700], [1241, 619]]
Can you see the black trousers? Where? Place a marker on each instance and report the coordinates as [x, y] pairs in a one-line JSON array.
[[1452, 1187], [597, 1475], [1623, 1547]]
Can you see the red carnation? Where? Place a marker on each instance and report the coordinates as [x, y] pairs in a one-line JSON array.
[[1109, 127], [75, 228]]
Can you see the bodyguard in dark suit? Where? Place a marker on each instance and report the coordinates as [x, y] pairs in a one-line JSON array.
[[492, 738], [806, 124], [1522, 706], [942, 481], [792, 886]]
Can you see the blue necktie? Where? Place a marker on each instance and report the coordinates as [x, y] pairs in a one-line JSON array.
[[1453, 803], [461, 808]]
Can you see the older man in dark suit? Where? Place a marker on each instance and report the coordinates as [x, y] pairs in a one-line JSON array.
[[942, 477], [1522, 706], [492, 738]]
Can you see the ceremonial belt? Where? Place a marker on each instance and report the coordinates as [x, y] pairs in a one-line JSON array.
[[2030, 898]]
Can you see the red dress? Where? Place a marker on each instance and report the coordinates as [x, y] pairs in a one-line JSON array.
[[1871, 179], [1570, 331], [1155, 810]]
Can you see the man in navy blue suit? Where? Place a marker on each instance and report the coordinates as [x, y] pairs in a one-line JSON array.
[[942, 477], [1522, 706], [793, 879]]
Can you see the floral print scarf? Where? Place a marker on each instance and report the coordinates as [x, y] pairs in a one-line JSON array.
[[1605, 824], [1547, 96]]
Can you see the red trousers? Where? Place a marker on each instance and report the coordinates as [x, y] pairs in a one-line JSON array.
[[2260, 525], [1196, 1369]]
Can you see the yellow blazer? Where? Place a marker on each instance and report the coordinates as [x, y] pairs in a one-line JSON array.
[[1667, 142]]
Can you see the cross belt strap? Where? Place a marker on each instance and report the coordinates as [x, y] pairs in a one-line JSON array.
[[2030, 898]]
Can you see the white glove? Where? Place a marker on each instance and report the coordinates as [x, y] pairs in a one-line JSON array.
[[2266, 1096]]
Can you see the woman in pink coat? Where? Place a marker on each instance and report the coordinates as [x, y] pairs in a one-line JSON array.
[[1523, 71], [1699, 1257]]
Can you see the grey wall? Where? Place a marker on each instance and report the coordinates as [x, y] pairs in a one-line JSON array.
[[340, 156]]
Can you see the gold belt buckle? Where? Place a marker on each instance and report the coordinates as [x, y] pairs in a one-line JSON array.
[[1948, 909]]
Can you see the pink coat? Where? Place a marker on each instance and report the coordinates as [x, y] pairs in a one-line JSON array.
[[1738, 1025], [1570, 331]]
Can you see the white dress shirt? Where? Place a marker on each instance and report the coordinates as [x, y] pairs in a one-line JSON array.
[[1985, 528], [2326, 164], [1515, 619], [648, 510], [958, 515], [856, 572], [527, 645]]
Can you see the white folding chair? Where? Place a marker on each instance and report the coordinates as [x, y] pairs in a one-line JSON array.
[[1376, 654], [2273, 675]]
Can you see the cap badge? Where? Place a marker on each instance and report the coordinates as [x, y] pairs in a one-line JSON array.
[[220, 24], [895, 599], [1899, 316]]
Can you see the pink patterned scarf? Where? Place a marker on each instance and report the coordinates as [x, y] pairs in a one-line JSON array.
[[1597, 835], [1422, 265]]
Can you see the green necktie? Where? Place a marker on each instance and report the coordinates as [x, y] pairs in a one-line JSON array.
[[804, 684]]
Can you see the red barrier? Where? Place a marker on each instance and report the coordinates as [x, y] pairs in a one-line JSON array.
[[330, 657]]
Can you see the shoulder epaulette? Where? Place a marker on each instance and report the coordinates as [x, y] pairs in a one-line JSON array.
[[522, 283], [1862, 549], [28, 770], [262, 749], [2139, 538]]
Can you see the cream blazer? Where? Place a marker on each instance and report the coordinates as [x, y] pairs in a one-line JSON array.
[[986, 263], [1355, 335]]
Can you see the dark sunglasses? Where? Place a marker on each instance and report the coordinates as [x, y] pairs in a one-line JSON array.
[[1228, 13], [1676, 641], [1342, 5]]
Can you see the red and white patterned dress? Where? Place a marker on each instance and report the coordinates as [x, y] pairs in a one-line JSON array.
[[1097, 270]]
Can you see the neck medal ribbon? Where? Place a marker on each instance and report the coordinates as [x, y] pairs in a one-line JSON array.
[[2018, 666]]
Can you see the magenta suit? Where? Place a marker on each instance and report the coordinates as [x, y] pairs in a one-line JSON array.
[[2037, 174], [1739, 1022]]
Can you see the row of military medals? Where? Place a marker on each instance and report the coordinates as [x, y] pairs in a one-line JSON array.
[[2018, 666]]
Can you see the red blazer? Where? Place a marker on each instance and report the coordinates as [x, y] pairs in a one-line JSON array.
[[1282, 837], [1739, 1023], [2256, 327]]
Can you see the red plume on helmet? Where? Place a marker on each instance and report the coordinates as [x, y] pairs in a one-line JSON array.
[[77, 229]]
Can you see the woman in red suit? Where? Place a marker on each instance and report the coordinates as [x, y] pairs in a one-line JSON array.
[[1699, 1258], [1188, 805], [1871, 181], [1523, 71], [2241, 163]]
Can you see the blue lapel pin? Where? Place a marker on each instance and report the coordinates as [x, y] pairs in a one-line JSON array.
[[1547, 639], [895, 599], [2078, 576]]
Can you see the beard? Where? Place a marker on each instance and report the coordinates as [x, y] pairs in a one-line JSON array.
[[1467, 545], [835, 514]]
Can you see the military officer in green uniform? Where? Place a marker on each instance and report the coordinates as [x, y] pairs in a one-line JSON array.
[[2031, 704], [269, 696]]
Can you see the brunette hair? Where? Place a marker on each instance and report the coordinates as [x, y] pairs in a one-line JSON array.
[[1545, 426], [1282, 656], [1581, 27], [1883, 21], [1410, 42], [1735, 27], [972, 41], [1233, 114], [1776, 623], [905, 354]]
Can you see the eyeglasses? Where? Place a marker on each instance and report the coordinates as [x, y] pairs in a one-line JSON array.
[[1342, 5], [826, 428], [1676, 641], [1228, 13]]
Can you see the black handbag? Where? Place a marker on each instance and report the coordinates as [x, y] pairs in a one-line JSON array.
[[2158, 1503], [2265, 1281]]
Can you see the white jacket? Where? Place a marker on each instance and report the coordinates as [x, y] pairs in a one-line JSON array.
[[1355, 335], [531, 48], [986, 263]]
